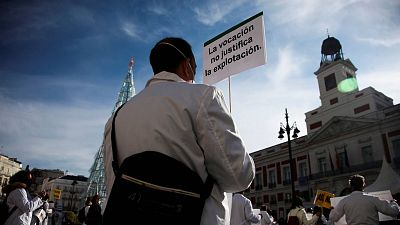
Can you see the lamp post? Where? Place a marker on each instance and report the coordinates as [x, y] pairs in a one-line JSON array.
[[286, 129], [73, 195]]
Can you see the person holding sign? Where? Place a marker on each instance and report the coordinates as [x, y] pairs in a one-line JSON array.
[[361, 208], [189, 122]]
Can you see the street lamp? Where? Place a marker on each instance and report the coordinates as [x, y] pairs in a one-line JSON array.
[[286, 129]]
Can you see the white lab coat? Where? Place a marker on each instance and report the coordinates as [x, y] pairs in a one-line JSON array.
[[25, 206], [242, 211], [191, 123]]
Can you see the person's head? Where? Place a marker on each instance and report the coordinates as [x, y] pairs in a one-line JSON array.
[[297, 202], [22, 176], [357, 182], [174, 55], [88, 201], [95, 199]]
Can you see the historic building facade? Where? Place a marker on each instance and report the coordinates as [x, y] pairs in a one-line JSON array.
[[352, 131], [68, 192], [8, 167]]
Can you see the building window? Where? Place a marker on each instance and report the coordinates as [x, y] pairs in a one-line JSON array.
[[367, 155], [273, 199], [333, 101], [266, 198], [361, 109], [303, 169], [271, 179], [396, 147], [288, 197], [280, 197], [315, 125], [330, 82], [259, 201], [322, 164], [359, 95], [343, 160], [286, 175], [258, 181]]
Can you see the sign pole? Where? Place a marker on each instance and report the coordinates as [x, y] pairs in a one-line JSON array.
[[230, 99]]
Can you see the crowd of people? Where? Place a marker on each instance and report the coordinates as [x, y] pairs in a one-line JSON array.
[[357, 206], [27, 208]]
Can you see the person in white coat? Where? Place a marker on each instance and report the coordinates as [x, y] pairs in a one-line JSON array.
[[19, 198], [189, 122], [266, 216], [242, 211], [361, 208]]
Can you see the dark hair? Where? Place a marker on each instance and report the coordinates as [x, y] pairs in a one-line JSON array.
[[297, 202], [88, 200], [95, 199], [168, 53], [317, 209], [23, 176], [357, 182]]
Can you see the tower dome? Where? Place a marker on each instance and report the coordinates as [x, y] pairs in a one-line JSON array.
[[331, 50]]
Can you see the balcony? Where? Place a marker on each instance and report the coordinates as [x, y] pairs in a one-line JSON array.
[[343, 170]]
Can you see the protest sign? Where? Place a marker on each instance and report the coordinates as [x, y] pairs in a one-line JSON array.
[[239, 48], [322, 199], [57, 193]]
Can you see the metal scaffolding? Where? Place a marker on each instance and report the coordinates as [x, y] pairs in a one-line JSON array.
[[96, 177]]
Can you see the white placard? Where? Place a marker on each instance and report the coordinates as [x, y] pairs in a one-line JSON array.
[[239, 48]]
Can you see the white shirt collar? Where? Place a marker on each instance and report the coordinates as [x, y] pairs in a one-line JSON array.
[[164, 76]]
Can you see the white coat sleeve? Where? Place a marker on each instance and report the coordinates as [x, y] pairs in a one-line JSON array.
[[20, 199], [249, 213], [226, 158]]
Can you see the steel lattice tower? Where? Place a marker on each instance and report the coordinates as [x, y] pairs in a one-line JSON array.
[[96, 177]]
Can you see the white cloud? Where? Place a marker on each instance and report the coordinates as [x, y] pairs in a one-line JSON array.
[[131, 29], [385, 80], [58, 136], [215, 11], [382, 41], [158, 9]]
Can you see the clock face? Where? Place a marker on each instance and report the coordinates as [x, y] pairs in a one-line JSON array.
[[348, 85]]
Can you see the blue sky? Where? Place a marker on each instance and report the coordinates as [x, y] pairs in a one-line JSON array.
[[62, 64]]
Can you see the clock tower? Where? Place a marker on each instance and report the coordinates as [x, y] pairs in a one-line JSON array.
[[339, 91]]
